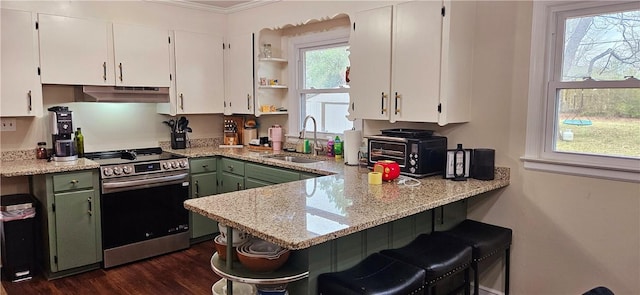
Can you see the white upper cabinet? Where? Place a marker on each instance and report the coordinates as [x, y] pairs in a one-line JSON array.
[[199, 73], [409, 63], [78, 51], [21, 91], [239, 74], [75, 51], [141, 56]]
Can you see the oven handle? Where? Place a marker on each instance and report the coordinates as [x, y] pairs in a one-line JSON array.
[[156, 181]]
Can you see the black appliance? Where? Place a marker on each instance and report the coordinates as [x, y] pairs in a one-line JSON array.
[[142, 209], [417, 152], [64, 148], [18, 236]]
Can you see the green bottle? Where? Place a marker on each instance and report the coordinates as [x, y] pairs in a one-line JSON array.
[[337, 147], [79, 143]]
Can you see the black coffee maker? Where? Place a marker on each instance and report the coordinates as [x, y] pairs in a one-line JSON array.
[[64, 148]]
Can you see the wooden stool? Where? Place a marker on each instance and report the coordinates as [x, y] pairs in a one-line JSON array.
[[375, 275], [439, 255], [486, 241]]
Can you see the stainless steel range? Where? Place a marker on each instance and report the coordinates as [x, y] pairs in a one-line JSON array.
[[142, 209]]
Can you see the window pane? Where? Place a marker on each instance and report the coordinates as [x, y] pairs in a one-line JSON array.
[[599, 121], [325, 68], [330, 110], [603, 47]]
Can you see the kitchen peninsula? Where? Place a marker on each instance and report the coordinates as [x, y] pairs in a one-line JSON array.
[[336, 220]]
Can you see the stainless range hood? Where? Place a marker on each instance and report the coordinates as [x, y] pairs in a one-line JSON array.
[[121, 94]]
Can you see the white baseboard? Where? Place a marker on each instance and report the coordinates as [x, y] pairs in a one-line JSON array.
[[487, 291]]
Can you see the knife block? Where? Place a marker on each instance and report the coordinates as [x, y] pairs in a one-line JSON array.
[[178, 140]]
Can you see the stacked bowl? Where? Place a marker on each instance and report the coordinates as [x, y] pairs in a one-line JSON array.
[[220, 241], [261, 256]]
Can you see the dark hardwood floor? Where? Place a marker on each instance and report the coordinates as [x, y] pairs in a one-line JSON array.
[[183, 272]]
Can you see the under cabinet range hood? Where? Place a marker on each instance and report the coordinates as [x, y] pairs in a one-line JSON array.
[[121, 94]]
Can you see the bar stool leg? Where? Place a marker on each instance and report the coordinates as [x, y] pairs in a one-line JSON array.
[[467, 288], [476, 280], [506, 270]]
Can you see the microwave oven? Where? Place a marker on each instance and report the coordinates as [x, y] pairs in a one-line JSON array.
[[417, 157]]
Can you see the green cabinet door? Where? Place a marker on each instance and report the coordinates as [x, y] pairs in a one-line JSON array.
[[448, 216], [75, 224], [203, 184], [253, 183], [270, 174], [231, 182]]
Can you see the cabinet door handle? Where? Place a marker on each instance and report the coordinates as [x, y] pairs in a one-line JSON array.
[[90, 206], [197, 189], [74, 182], [181, 101], [30, 105], [352, 106], [397, 110], [230, 168], [205, 166], [248, 103], [104, 71], [120, 66], [382, 108], [239, 186]]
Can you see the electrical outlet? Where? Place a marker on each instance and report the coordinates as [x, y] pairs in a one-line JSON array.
[[8, 124]]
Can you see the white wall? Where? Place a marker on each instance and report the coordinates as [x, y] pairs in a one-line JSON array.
[[570, 233]]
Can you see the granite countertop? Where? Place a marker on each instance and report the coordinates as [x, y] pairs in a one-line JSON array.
[[300, 214], [33, 167]]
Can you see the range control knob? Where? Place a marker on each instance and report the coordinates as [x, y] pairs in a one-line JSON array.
[[183, 163], [117, 170], [127, 169], [165, 165], [174, 165], [107, 171]]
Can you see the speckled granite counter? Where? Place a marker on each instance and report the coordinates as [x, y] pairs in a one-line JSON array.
[[33, 167], [300, 214]]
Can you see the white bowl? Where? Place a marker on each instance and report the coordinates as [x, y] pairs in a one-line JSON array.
[[239, 237], [220, 288], [244, 249]]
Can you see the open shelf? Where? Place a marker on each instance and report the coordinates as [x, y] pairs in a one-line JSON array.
[[273, 87], [273, 59], [286, 274]]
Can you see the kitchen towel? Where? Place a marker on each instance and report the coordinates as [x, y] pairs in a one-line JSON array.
[[352, 141]]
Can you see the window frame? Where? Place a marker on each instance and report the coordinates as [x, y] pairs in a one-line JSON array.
[[319, 39], [544, 82]]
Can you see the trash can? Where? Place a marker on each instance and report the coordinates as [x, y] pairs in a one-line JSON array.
[[18, 230]]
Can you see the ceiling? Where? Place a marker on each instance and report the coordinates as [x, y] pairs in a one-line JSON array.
[[216, 5], [220, 4]]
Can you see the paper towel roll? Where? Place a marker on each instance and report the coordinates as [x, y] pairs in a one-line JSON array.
[[352, 141]]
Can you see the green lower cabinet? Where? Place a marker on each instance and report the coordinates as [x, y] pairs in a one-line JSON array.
[[253, 183], [76, 229], [70, 215], [231, 182], [202, 185], [450, 215], [269, 174]]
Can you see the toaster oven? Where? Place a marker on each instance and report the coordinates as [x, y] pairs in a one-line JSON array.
[[417, 157]]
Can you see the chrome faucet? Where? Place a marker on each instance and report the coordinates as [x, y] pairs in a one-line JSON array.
[[316, 146]]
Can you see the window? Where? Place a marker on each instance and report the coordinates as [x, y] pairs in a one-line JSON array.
[[584, 96], [321, 89]]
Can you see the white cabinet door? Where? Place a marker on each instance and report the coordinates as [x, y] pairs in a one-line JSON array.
[[415, 63], [141, 56], [199, 73], [75, 51], [370, 57], [21, 93], [239, 73]]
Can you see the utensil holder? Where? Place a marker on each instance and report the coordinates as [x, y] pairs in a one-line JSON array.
[[178, 140]]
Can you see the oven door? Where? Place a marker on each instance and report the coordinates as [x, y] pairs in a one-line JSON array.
[[140, 208], [388, 150]]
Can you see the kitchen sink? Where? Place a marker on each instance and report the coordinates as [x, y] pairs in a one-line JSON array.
[[292, 159]]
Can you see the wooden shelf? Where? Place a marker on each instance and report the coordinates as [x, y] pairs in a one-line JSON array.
[[274, 113], [273, 59], [273, 87], [286, 274]]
